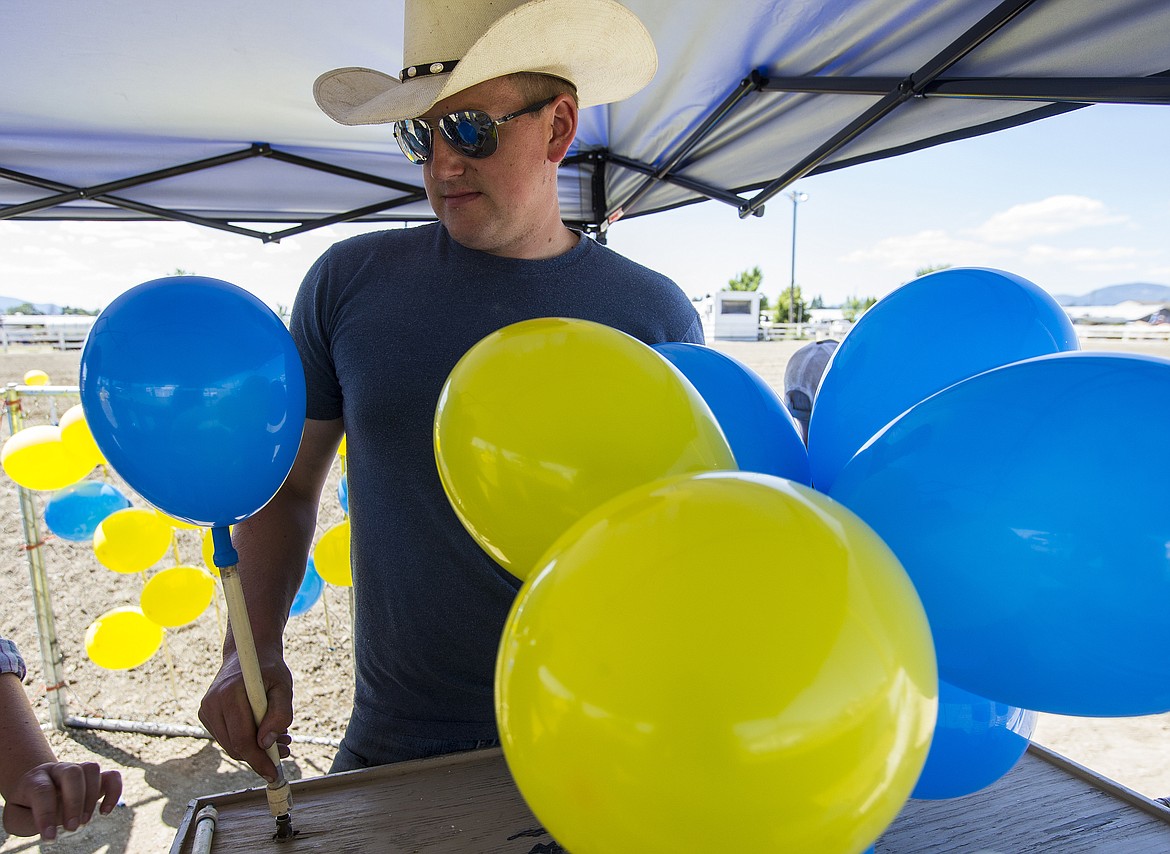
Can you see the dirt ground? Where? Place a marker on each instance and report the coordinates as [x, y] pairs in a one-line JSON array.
[[163, 774]]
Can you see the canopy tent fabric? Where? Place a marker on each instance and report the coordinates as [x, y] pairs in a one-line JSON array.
[[203, 111]]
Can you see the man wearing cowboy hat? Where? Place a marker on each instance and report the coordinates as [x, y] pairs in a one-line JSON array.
[[487, 104]]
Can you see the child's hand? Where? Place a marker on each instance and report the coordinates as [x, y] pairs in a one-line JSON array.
[[60, 794]]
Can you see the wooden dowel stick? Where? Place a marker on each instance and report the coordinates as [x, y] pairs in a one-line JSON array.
[[279, 792]]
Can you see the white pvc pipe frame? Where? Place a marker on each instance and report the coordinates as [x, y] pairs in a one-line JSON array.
[[52, 658]]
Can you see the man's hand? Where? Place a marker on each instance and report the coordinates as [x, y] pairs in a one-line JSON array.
[[59, 794], [226, 713]]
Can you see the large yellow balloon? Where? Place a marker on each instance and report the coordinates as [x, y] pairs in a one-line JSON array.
[[331, 556], [177, 595], [122, 638], [131, 540], [544, 420], [76, 435], [38, 458], [717, 662]]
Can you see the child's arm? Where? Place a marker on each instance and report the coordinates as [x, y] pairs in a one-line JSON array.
[[40, 793]]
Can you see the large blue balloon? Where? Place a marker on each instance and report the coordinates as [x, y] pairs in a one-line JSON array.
[[758, 426], [976, 742], [1029, 508], [309, 592], [926, 335], [74, 513], [195, 394]]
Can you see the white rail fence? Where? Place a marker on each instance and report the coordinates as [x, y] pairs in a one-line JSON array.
[[61, 332]]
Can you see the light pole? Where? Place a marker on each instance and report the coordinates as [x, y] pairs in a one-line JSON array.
[[797, 198]]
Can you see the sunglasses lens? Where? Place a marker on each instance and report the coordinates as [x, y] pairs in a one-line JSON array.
[[414, 138], [471, 132]]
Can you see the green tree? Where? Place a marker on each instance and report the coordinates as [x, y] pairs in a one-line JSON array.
[[71, 310], [24, 308], [748, 280], [854, 307], [799, 307], [817, 302], [930, 268]]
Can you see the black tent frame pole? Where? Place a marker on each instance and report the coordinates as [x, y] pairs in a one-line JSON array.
[[749, 84], [104, 193], [906, 89], [1153, 90]]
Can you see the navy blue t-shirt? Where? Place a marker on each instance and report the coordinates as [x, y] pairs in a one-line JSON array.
[[380, 321]]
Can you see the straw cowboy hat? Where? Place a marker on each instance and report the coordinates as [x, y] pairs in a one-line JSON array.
[[450, 45]]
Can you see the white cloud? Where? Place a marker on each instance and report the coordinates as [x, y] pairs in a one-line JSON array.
[[1081, 254], [1054, 215], [932, 246]]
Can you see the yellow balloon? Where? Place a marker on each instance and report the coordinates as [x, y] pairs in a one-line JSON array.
[[341, 451], [331, 556], [717, 662], [76, 435], [177, 595], [38, 458], [544, 420], [132, 540], [208, 551], [35, 377], [122, 638]]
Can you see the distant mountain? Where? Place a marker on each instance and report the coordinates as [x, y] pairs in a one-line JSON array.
[[43, 307], [1113, 294]]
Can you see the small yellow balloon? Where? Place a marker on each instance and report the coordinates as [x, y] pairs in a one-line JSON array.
[[177, 595], [717, 662], [36, 377], [76, 435], [331, 556], [543, 420], [132, 540], [122, 638], [38, 458], [341, 448]]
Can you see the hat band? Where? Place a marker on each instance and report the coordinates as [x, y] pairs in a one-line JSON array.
[[412, 72]]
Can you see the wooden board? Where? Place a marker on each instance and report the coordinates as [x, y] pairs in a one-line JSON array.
[[467, 803]]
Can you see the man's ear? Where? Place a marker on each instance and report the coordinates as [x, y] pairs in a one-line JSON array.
[[564, 128]]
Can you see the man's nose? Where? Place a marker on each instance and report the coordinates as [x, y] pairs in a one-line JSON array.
[[445, 162]]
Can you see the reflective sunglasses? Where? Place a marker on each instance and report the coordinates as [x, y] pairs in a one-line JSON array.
[[470, 132]]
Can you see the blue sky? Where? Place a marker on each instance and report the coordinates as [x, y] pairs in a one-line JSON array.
[[1072, 203]]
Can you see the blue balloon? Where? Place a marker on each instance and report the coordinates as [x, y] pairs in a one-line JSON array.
[[309, 591], [343, 493], [74, 513], [758, 426], [976, 742], [1028, 506], [194, 392], [926, 335]]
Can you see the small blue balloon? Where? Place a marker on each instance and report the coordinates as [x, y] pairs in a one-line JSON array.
[[926, 335], [343, 493], [976, 742], [309, 591], [758, 426], [194, 392], [1028, 507], [74, 513]]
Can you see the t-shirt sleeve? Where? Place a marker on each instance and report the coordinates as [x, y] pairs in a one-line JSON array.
[[310, 326], [10, 660]]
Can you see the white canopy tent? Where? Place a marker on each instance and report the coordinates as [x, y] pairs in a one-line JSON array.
[[203, 112]]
